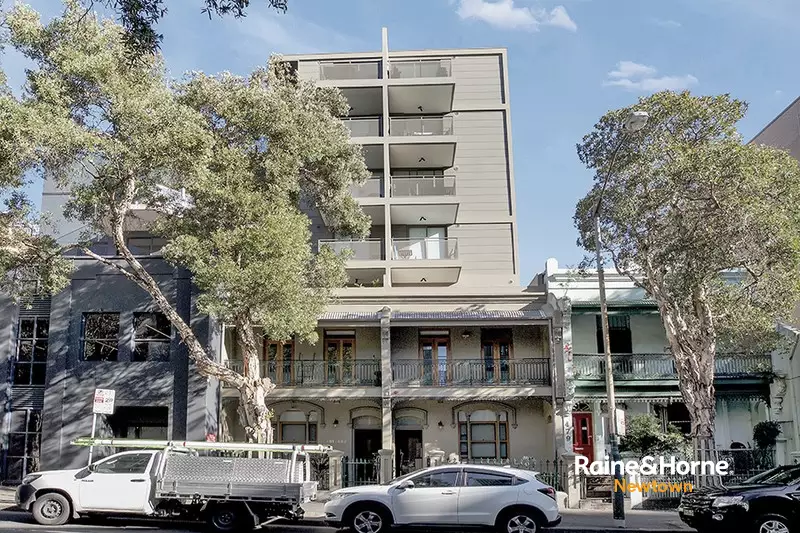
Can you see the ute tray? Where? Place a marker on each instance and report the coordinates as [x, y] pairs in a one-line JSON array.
[[234, 479]]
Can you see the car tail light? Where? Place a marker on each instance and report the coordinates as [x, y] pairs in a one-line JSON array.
[[549, 491]]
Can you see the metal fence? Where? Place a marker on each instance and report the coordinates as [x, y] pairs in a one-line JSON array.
[[656, 366], [552, 472], [471, 372], [357, 472]]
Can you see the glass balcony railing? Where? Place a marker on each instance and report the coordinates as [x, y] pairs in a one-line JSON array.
[[318, 373], [361, 70], [421, 68], [631, 367], [366, 250], [470, 372], [430, 248], [363, 127], [404, 186], [421, 126], [372, 188]]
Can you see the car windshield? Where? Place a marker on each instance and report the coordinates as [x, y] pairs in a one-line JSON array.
[[782, 475]]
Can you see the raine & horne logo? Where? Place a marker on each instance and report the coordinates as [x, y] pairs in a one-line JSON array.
[[651, 466]]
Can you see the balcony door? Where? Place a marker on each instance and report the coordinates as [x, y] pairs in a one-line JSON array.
[[340, 354], [278, 366], [435, 354], [496, 349], [427, 242]]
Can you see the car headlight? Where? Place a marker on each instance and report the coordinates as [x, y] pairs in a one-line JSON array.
[[726, 501], [30, 478], [340, 495]]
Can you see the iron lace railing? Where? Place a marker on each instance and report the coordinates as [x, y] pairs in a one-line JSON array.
[[470, 372], [318, 373], [661, 366]]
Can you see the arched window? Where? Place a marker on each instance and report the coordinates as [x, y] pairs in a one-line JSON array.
[[483, 434], [297, 427]]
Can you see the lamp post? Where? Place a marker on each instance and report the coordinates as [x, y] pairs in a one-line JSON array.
[[634, 122]]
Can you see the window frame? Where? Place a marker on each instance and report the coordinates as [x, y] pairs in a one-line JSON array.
[[465, 428], [120, 456], [458, 482], [472, 471], [337, 375], [494, 338], [149, 341], [436, 340], [613, 332], [28, 460], [84, 319], [306, 432], [279, 374], [31, 363]]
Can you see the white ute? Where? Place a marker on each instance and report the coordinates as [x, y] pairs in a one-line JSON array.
[[453, 497], [171, 480]]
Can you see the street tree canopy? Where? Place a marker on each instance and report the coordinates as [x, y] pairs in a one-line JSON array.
[[140, 18], [706, 224], [226, 161]]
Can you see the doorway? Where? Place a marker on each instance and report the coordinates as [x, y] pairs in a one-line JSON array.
[[409, 451], [366, 443], [583, 435], [363, 468]]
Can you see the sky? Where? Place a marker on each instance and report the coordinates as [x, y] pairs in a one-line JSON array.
[[570, 61]]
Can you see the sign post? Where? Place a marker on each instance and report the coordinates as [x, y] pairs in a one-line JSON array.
[[103, 405]]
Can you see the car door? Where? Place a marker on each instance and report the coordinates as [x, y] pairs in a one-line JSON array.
[[120, 483], [432, 500], [483, 494]]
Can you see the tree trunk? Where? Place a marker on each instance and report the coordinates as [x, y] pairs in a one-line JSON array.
[[254, 415]]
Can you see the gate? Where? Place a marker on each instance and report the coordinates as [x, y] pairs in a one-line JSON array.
[[360, 471]]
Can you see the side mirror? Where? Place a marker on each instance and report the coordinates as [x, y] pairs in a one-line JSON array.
[[91, 467], [405, 485]]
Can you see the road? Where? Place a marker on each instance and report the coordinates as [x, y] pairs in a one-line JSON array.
[[17, 521]]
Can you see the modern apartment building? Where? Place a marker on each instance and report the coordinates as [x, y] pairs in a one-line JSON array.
[[433, 349], [644, 372]]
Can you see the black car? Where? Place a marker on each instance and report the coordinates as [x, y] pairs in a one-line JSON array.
[[766, 503]]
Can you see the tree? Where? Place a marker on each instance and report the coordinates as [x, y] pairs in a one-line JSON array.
[[140, 18], [644, 436], [706, 225], [227, 162]]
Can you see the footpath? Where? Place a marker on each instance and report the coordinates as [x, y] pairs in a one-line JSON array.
[[574, 520]]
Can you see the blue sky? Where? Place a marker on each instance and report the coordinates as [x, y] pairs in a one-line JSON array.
[[569, 62]]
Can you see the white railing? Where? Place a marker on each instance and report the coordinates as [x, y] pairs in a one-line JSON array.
[[366, 250], [430, 248], [403, 186], [421, 126]]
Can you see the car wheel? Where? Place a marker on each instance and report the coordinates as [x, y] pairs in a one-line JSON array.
[[51, 509], [224, 518], [368, 520], [518, 522], [772, 523]]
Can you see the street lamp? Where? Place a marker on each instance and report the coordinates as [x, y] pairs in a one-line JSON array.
[[635, 121]]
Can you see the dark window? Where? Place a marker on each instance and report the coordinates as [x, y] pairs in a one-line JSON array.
[[619, 332], [140, 422], [436, 479], [100, 336], [24, 443], [145, 245], [488, 479], [30, 364], [134, 463], [152, 336], [678, 416]]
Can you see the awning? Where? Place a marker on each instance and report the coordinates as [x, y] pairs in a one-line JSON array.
[[439, 316]]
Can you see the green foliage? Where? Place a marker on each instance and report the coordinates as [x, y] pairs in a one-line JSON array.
[[645, 436], [139, 18], [765, 434]]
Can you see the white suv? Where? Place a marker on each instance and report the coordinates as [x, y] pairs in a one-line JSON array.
[[506, 499]]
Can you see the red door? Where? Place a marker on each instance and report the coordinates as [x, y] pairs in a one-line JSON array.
[[583, 435]]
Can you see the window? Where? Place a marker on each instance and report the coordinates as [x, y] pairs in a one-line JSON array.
[[145, 245], [496, 351], [30, 364], [132, 463], [152, 336], [678, 416], [434, 350], [483, 435], [100, 336], [340, 354], [140, 422], [619, 333], [24, 443], [279, 357], [297, 427], [447, 478], [488, 479]]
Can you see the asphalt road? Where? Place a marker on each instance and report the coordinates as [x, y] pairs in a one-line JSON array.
[[18, 521]]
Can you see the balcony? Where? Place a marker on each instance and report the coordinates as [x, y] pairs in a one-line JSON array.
[[318, 373], [426, 83], [422, 142], [166, 200], [372, 188], [423, 186], [366, 250], [363, 127], [471, 373], [347, 70], [429, 261], [425, 249], [659, 367]]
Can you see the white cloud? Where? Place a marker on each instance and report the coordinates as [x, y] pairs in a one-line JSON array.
[[643, 78], [505, 15], [667, 23]]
